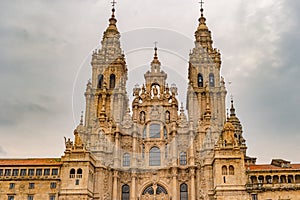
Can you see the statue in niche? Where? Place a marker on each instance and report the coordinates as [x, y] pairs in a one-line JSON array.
[[142, 117], [155, 91], [167, 116]]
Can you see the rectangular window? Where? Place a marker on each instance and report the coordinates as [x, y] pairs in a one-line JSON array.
[[15, 172], [54, 172], [23, 172], [52, 197], [31, 186], [53, 185], [11, 197], [46, 172], [77, 182], [39, 172], [30, 197], [31, 172], [254, 197], [154, 130], [1, 172], [11, 186], [7, 172]]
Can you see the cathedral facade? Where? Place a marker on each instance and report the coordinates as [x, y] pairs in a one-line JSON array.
[[153, 148]]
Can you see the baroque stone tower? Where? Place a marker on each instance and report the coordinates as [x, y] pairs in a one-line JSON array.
[[206, 90]]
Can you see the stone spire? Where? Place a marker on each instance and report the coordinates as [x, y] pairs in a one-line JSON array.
[[234, 120], [204, 44], [111, 51]]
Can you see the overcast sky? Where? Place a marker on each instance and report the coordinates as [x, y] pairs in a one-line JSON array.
[[44, 65]]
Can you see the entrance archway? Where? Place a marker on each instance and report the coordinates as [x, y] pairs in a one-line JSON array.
[[155, 192]]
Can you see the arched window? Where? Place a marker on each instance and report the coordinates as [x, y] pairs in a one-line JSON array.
[[231, 170], [79, 173], [72, 173], [154, 130], [100, 81], [183, 191], [159, 190], [112, 81], [126, 160], [182, 158], [154, 156], [211, 80], [148, 190], [224, 170], [200, 80], [125, 192]]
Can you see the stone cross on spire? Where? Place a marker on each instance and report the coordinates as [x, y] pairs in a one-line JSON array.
[[201, 5], [113, 3]]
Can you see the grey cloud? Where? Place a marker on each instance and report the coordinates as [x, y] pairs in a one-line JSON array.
[[14, 111], [2, 152]]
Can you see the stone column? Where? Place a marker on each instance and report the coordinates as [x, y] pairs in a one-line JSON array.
[[115, 185], [192, 176], [116, 153], [174, 184], [133, 186]]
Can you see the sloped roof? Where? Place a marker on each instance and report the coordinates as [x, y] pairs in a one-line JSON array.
[[30, 162], [273, 167]]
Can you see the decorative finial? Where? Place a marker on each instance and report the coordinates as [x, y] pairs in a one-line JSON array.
[[155, 49], [232, 109], [201, 9], [113, 9]]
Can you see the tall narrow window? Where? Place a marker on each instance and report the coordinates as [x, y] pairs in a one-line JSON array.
[[211, 80], [39, 172], [54, 172], [200, 80], [126, 160], [23, 172], [154, 156], [112, 81], [182, 158], [72, 173], [31, 186], [125, 192], [183, 191], [30, 197], [15, 172], [31, 172], [254, 197], [1, 172], [7, 172], [100, 81], [11, 197], [79, 173], [154, 131], [231, 170], [224, 170], [46, 172]]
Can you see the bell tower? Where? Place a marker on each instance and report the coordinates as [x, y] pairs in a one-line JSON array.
[[206, 89], [106, 97]]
